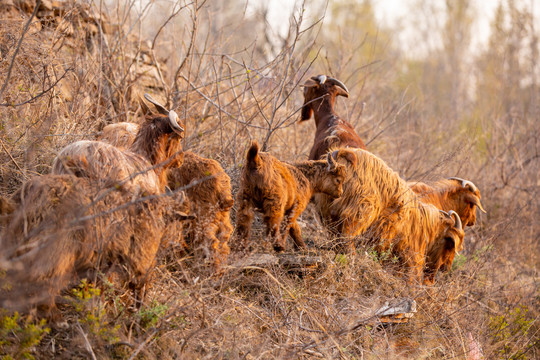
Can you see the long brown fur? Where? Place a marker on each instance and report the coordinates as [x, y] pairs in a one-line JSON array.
[[281, 192], [64, 229], [332, 131], [440, 254], [141, 169], [379, 208], [209, 195], [450, 195]]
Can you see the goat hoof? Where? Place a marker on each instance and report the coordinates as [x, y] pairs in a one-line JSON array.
[[279, 248]]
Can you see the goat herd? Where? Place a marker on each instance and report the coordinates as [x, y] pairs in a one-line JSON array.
[[107, 205]]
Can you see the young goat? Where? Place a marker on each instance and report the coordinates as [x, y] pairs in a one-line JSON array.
[[140, 169], [281, 192], [451, 194], [332, 131], [209, 195]]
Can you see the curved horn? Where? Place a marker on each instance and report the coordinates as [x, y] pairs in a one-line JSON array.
[[340, 84], [174, 122], [160, 108], [331, 161], [321, 79], [457, 220], [444, 212], [466, 184]]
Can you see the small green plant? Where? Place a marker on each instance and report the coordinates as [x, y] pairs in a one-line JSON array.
[[382, 256], [459, 261], [150, 315], [92, 312], [341, 259], [19, 336], [509, 330]]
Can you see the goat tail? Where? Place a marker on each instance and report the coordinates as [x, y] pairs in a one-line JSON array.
[[253, 160]]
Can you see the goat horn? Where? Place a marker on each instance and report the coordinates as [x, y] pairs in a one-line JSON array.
[[158, 106], [321, 79], [340, 84], [465, 183], [331, 161], [457, 220], [174, 122]]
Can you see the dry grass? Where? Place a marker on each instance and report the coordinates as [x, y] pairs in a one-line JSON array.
[[227, 95]]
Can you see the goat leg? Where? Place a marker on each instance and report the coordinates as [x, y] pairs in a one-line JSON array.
[[296, 235], [243, 225], [273, 224]]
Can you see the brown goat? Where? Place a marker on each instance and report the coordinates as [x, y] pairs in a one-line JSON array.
[[378, 207], [441, 253], [208, 189], [209, 195], [281, 192], [455, 194], [141, 169], [332, 131], [63, 229]]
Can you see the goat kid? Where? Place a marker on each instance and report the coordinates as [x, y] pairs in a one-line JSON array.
[[281, 192]]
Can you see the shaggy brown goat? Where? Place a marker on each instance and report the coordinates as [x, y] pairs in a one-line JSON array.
[[455, 194], [378, 207], [281, 192], [142, 168], [209, 195], [332, 131], [64, 229], [441, 253]]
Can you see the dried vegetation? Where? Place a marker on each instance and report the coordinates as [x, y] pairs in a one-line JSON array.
[[70, 68]]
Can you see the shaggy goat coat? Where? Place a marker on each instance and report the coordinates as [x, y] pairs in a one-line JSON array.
[[379, 208], [208, 192], [451, 194], [64, 229], [281, 192], [140, 170], [208, 189]]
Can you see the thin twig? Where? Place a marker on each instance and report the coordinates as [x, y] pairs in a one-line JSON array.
[[25, 29], [12, 159]]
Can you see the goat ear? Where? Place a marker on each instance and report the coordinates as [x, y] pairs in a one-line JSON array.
[[311, 83], [331, 162], [180, 216], [145, 109], [306, 113], [349, 156], [473, 199]]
